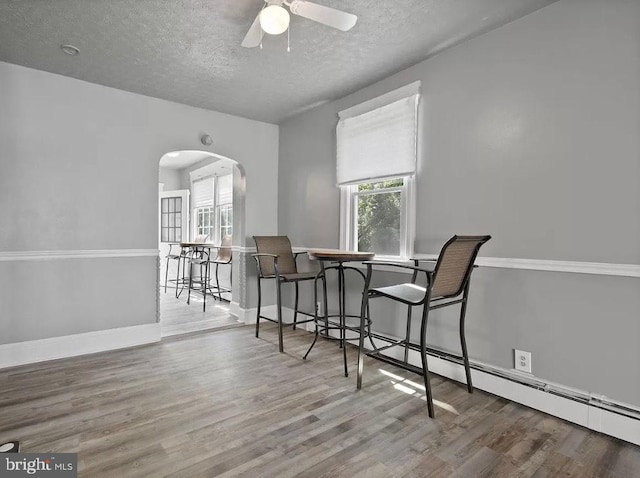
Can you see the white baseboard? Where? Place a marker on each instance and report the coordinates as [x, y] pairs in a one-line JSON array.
[[584, 414], [41, 350], [615, 425], [248, 316], [237, 311]]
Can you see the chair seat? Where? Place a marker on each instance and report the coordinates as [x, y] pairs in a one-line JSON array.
[[408, 293], [295, 277], [298, 276], [218, 261]]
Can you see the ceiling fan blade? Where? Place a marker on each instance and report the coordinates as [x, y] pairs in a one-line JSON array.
[[254, 36], [328, 16]]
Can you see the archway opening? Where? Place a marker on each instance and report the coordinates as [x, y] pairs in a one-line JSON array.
[[200, 200]]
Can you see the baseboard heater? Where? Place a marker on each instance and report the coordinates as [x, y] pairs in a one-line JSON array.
[[564, 392]]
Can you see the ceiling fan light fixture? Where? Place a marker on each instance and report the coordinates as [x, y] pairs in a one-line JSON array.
[[274, 19]]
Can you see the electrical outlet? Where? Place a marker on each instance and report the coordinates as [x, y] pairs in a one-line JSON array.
[[522, 360], [319, 308]]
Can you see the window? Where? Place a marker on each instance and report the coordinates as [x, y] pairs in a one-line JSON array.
[[203, 209], [378, 217], [205, 223], [376, 165], [224, 206], [171, 219], [213, 207]]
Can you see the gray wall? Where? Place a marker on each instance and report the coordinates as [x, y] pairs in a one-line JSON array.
[[79, 172], [170, 178], [530, 134]]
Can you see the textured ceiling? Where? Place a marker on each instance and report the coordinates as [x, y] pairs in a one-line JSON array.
[[189, 51]]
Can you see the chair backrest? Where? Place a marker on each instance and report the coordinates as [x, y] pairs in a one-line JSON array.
[[224, 251], [280, 246], [201, 238], [454, 265]]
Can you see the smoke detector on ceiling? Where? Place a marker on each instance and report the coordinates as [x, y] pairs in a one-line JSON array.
[[206, 140], [70, 50]]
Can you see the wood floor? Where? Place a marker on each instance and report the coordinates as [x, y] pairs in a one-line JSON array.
[[224, 403], [177, 317]]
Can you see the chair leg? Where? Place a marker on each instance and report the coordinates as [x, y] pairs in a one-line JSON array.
[[373, 346], [364, 311], [343, 331], [218, 284], [364, 319], [295, 309], [325, 302], [204, 284], [341, 309], [166, 275], [181, 280], [315, 318], [408, 335], [423, 355], [178, 281], [463, 341], [259, 303], [279, 299], [190, 282]]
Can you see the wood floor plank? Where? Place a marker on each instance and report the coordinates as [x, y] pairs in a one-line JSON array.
[[227, 404], [177, 317]]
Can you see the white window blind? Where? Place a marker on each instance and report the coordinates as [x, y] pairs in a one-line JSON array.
[[378, 143], [202, 194], [225, 189]]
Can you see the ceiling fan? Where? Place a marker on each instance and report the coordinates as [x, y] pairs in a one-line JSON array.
[[274, 19]]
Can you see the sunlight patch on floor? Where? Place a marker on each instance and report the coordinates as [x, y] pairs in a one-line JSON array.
[[410, 387]]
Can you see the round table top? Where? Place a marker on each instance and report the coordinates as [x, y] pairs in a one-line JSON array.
[[338, 255], [197, 244]]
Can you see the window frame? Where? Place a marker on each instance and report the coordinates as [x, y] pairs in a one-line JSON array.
[[195, 209], [183, 226], [216, 235], [224, 208], [212, 226], [348, 215]]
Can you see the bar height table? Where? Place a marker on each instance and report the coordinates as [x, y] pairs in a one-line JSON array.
[[338, 258]]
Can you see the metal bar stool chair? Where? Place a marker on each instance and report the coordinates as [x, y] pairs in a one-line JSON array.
[[195, 254], [275, 260], [224, 256], [445, 285], [181, 258]]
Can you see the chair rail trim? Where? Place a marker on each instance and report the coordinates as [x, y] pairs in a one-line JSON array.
[[14, 256], [575, 267]]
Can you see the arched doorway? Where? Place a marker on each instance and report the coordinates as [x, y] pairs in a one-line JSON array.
[[201, 195]]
